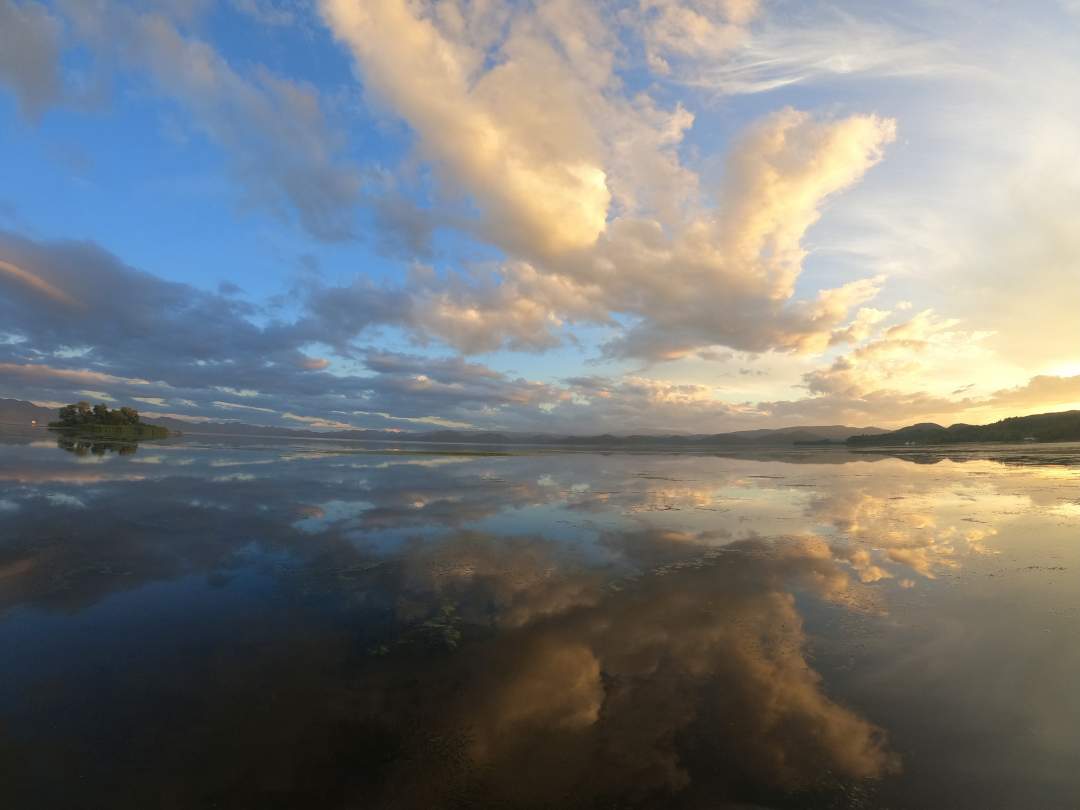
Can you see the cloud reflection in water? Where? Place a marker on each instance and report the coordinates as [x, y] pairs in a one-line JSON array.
[[246, 625]]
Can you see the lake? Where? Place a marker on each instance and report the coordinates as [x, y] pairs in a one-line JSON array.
[[264, 624]]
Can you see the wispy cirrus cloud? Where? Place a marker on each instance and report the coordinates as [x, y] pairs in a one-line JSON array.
[[825, 42]]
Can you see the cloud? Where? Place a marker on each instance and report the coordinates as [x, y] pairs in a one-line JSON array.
[[36, 283], [569, 179], [512, 305], [861, 326], [522, 111], [165, 341], [902, 351], [633, 403], [885, 378], [313, 363], [132, 316], [448, 383], [819, 43], [236, 406], [30, 41], [725, 277], [697, 29], [516, 306], [317, 422], [515, 135], [1041, 391], [99, 395], [908, 373], [582, 185], [728, 277], [38, 373], [283, 151]]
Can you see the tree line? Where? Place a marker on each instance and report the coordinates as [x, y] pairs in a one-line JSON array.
[[81, 414]]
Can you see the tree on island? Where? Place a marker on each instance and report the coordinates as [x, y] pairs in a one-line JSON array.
[[81, 415]]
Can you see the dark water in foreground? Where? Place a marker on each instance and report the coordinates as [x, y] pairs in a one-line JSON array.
[[305, 626]]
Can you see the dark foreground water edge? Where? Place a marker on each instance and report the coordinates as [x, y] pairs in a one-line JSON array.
[[257, 624]]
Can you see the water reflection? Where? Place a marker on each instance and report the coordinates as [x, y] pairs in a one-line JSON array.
[[81, 446], [648, 688], [210, 625]]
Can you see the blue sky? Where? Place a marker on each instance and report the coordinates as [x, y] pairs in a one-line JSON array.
[[693, 215]]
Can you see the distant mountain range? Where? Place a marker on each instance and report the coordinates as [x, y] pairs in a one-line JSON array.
[[1063, 426], [825, 434], [18, 412], [13, 411], [1045, 427]]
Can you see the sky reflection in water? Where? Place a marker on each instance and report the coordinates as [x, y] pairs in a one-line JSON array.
[[303, 625]]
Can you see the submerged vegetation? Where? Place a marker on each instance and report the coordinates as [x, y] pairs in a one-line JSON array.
[[100, 420]]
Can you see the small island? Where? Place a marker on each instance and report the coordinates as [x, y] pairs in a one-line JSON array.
[[103, 422]]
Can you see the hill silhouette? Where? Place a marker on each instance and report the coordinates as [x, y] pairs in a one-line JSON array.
[[1063, 426]]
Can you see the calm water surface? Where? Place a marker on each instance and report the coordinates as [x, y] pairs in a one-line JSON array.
[[255, 625]]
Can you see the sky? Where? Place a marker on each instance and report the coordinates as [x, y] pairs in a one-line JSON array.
[[545, 215]]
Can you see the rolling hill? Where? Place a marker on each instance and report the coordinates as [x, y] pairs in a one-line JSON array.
[[1044, 427], [20, 412]]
